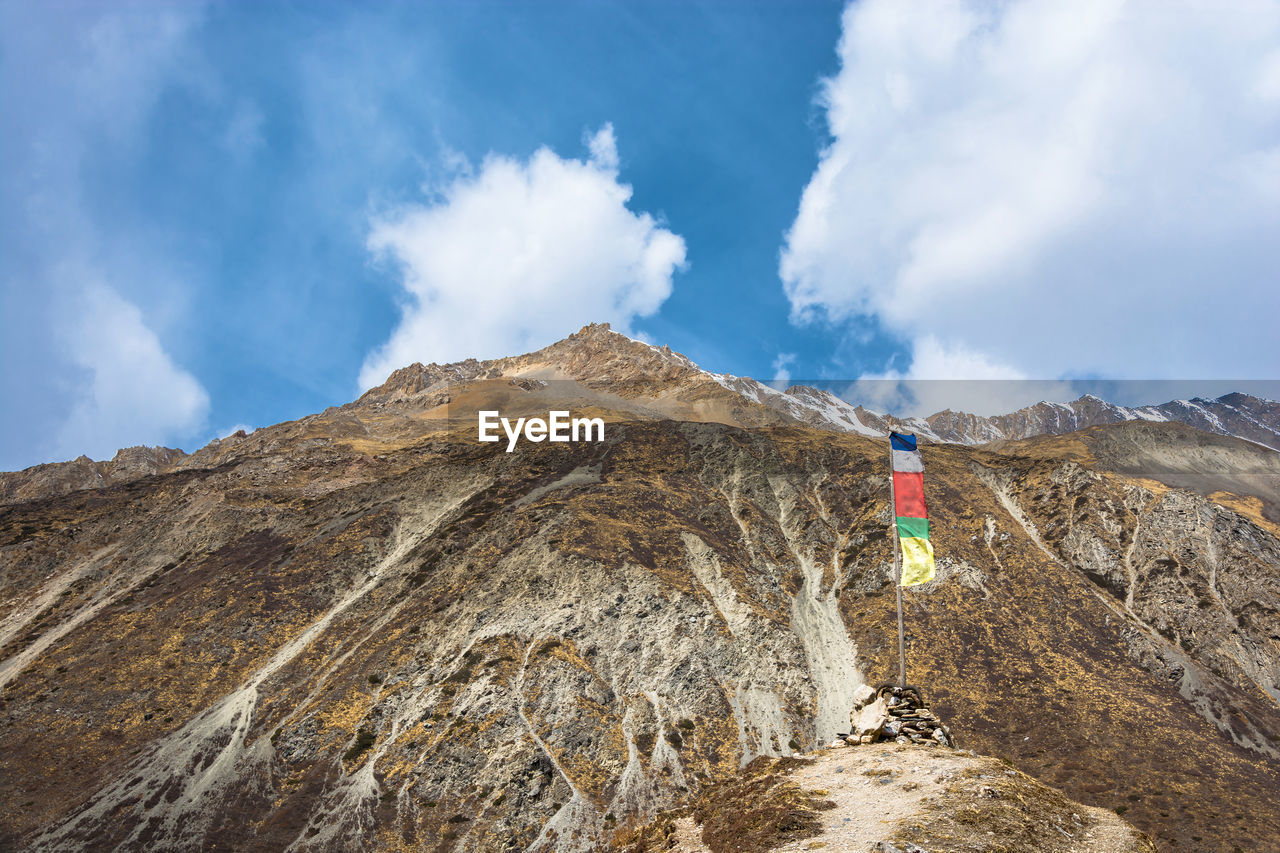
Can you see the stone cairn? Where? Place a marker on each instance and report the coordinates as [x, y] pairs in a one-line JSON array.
[[894, 713]]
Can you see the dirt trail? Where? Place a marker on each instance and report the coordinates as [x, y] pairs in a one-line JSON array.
[[883, 790]]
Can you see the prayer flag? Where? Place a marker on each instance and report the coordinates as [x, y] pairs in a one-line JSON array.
[[910, 511]]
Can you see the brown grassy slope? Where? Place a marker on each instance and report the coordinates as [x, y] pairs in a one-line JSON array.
[[1246, 475], [1027, 661], [514, 647]]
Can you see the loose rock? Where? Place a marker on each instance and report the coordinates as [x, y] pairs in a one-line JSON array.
[[898, 714], [864, 695], [869, 719]]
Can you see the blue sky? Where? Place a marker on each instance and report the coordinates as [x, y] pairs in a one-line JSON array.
[[227, 214]]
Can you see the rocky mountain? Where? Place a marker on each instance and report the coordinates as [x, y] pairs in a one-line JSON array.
[[637, 379], [597, 351], [366, 630], [1235, 414], [128, 464], [1232, 472]]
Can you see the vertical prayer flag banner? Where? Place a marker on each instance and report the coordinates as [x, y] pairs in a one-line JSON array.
[[909, 508]]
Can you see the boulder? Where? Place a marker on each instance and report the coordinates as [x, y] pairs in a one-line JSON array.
[[862, 696], [870, 720]]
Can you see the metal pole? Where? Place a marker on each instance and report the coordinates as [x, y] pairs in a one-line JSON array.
[[897, 573]]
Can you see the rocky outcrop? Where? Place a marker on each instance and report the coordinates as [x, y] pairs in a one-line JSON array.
[[61, 478], [898, 714]]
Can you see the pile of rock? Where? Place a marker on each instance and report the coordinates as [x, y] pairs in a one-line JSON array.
[[895, 713]]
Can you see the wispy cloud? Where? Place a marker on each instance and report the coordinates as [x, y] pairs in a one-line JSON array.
[[518, 254], [85, 372], [782, 370], [130, 391]]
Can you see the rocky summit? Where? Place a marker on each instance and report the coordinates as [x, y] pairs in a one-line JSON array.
[[367, 630]]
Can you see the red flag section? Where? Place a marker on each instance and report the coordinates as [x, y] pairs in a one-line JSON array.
[[908, 494]]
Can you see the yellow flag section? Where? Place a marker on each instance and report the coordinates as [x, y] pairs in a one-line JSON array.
[[910, 511]]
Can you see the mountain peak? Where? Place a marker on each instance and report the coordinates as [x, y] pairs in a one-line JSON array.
[[600, 358], [649, 380], [593, 330]]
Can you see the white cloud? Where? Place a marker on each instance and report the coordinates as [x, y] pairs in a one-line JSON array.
[[948, 375], [933, 359], [131, 391], [1051, 188], [603, 146], [519, 254], [782, 370]]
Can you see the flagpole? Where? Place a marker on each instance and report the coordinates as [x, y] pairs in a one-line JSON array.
[[897, 571]]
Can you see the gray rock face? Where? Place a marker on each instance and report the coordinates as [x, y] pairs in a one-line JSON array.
[[60, 478], [1192, 574], [1235, 414]]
